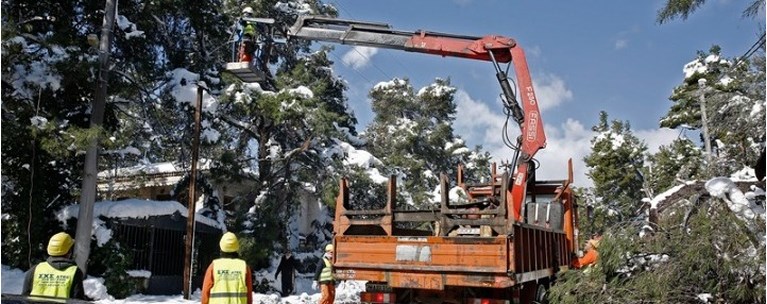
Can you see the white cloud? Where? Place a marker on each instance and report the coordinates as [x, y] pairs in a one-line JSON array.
[[534, 51], [655, 138], [551, 91], [477, 123], [621, 43], [358, 56], [570, 140]]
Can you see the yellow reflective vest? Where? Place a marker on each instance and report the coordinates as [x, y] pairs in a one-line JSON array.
[[51, 282], [327, 272], [229, 282]]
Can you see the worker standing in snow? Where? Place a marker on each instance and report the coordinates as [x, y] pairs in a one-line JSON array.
[[324, 276], [287, 267], [228, 278], [58, 277], [591, 255]]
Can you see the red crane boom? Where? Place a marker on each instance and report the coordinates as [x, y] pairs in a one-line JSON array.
[[496, 49]]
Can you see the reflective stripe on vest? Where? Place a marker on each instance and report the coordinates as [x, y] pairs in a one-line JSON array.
[[327, 272], [51, 282], [229, 282]]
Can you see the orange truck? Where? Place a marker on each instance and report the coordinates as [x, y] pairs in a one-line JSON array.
[[475, 252], [504, 244]]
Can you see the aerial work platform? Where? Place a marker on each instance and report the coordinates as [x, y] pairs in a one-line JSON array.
[[245, 71]]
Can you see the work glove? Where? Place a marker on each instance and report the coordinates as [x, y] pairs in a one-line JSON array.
[[314, 285]]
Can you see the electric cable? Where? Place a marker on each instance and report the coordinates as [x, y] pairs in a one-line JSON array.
[[751, 50]]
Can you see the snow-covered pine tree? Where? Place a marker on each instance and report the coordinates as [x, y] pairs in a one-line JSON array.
[[735, 103], [615, 161], [677, 162], [284, 136], [412, 134]]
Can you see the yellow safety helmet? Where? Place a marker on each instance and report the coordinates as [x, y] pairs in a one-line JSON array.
[[229, 243], [60, 244], [328, 247]]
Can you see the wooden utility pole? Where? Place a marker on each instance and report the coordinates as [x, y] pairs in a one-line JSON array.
[[90, 172], [190, 221], [704, 120]]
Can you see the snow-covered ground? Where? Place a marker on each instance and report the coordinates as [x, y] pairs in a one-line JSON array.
[[346, 292]]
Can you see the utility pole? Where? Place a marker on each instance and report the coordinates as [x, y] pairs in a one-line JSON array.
[[704, 120], [90, 172], [190, 221]]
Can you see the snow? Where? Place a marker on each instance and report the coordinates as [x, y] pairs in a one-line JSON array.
[[705, 297], [139, 273], [725, 189], [661, 197], [346, 292], [39, 122], [154, 168], [129, 208], [128, 27], [362, 159]]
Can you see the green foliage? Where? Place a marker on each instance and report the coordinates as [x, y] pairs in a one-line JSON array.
[[710, 254], [614, 164], [734, 101], [678, 9], [684, 8], [111, 262], [256, 249], [679, 161], [412, 135]]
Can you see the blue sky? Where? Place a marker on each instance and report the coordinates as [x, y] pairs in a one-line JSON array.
[[584, 57]]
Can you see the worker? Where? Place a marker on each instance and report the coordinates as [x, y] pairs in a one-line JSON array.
[[591, 254], [228, 278], [248, 36], [287, 267], [324, 276], [58, 277]]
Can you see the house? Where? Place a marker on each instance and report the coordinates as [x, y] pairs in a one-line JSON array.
[[156, 239]]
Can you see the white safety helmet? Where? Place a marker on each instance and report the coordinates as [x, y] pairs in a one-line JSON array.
[[247, 10]]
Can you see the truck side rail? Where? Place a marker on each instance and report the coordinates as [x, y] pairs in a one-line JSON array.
[[486, 212]]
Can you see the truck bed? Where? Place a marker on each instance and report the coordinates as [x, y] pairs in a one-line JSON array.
[[457, 245], [432, 262]]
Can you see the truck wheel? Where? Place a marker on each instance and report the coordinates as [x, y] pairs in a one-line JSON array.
[[540, 295]]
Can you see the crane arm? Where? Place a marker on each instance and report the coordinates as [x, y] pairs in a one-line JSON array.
[[496, 49]]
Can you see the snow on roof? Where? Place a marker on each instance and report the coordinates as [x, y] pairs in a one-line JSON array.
[[129, 208], [154, 168]]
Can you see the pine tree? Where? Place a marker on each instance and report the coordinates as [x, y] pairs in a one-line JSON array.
[[735, 108], [684, 8], [412, 134], [678, 162], [615, 161]]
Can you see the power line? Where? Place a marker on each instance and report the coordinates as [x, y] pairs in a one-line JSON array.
[[355, 70], [756, 46], [371, 63]]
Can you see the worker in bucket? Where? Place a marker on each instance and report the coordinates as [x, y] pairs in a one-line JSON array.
[[58, 278], [591, 254], [228, 278], [248, 36], [324, 276]]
